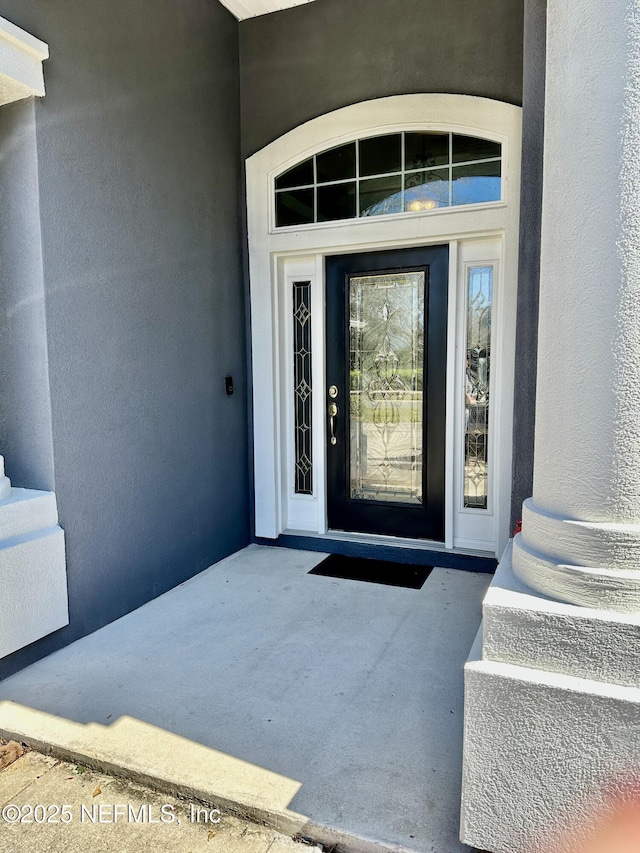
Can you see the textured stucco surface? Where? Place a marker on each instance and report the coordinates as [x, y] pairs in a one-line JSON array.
[[303, 62], [552, 717], [588, 410], [33, 576], [139, 185], [523, 628], [26, 511], [581, 530], [34, 588], [541, 753], [591, 564]]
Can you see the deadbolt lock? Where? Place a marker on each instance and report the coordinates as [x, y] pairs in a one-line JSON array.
[[333, 391]]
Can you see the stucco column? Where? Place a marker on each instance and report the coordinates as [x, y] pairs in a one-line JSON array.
[[580, 539], [552, 695], [5, 482]]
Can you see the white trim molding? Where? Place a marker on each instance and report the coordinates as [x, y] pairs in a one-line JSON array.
[[277, 256], [243, 9], [21, 58]]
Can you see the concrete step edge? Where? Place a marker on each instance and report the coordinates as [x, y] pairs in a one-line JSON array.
[[283, 821]]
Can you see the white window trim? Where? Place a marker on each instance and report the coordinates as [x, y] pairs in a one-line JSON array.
[[21, 58], [271, 250]]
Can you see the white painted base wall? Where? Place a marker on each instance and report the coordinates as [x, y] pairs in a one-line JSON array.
[[33, 576], [552, 717]]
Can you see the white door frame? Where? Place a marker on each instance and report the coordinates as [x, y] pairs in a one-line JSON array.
[[278, 256]]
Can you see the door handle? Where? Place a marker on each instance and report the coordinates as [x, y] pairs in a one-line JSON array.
[[333, 411]]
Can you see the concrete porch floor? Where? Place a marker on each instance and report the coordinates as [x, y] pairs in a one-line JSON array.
[[328, 707]]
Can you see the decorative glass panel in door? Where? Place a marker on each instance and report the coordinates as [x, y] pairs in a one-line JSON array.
[[385, 399], [386, 372]]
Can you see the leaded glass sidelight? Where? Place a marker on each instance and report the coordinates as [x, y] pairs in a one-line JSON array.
[[395, 173], [477, 380], [302, 387], [386, 333]]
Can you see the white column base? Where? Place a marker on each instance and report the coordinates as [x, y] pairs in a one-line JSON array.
[[586, 563], [552, 716], [33, 576]]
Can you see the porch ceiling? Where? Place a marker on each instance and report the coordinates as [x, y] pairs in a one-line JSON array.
[[251, 8]]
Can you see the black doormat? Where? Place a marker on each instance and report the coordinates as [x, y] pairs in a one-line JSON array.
[[372, 571]]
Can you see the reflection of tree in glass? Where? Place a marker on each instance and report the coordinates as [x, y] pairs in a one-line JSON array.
[[387, 350], [479, 330], [479, 298], [387, 359]]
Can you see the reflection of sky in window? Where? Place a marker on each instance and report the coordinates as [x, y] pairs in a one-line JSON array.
[[476, 189], [435, 195], [341, 190], [480, 286], [479, 297]]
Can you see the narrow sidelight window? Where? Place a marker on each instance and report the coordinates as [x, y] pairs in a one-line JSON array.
[[302, 387], [477, 381]]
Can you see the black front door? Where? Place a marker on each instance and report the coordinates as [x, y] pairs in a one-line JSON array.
[[385, 396]]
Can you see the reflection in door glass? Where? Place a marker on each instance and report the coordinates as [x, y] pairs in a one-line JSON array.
[[386, 321], [479, 296]]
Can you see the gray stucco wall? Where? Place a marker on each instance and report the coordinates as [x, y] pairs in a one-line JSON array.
[[139, 186], [529, 265], [311, 59]]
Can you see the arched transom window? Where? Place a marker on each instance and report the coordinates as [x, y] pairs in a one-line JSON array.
[[396, 173]]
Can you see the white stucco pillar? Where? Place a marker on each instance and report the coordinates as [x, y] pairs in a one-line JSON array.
[[5, 482], [580, 539], [33, 576], [552, 685], [33, 573]]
